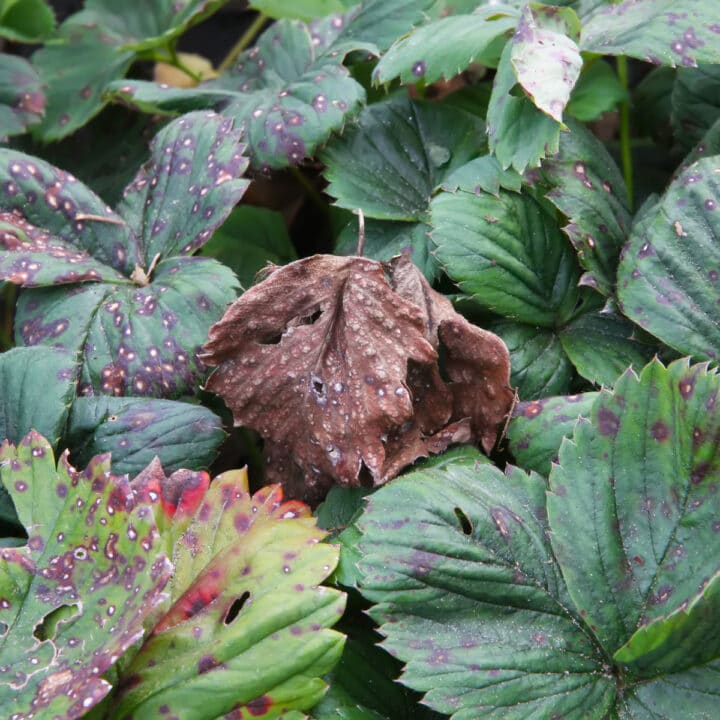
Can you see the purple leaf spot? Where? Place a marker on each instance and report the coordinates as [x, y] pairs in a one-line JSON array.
[[608, 422], [660, 431]]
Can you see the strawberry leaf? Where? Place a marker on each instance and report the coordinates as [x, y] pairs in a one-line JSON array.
[[74, 597], [22, 98], [246, 627], [126, 325], [26, 21]]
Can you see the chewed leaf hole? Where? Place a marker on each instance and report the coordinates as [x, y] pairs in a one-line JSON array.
[[310, 319], [270, 339], [236, 607], [464, 520], [4, 627], [318, 386], [47, 628]]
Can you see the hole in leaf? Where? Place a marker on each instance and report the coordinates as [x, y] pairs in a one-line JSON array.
[[310, 319], [464, 521], [270, 339], [318, 386], [47, 628], [236, 607], [4, 627]]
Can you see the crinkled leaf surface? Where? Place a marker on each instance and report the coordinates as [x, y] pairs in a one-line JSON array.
[[545, 56], [287, 94], [97, 46], [668, 276], [507, 253], [663, 32], [445, 47], [588, 188], [137, 326], [26, 21], [246, 630], [135, 430], [632, 505], [538, 427], [74, 598], [22, 98], [337, 368], [519, 134], [38, 386], [469, 596], [695, 102]]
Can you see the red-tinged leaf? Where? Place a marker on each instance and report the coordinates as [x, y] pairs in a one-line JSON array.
[[74, 598], [246, 632]]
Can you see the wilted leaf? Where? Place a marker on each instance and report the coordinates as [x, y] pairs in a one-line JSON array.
[[126, 324], [136, 430], [246, 628], [26, 21], [74, 598], [22, 100], [337, 369], [668, 276]]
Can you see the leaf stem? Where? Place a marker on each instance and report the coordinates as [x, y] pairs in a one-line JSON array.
[[625, 149], [245, 39]]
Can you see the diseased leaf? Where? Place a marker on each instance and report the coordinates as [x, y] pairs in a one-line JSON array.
[[447, 46], [538, 427], [38, 386], [632, 501], [337, 369], [26, 21], [545, 56], [136, 430], [469, 596], [668, 276], [22, 98], [75, 596], [508, 254], [663, 32], [127, 327], [246, 628]]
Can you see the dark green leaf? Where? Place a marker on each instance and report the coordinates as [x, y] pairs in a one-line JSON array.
[[650, 103], [508, 253], [695, 102], [538, 427], [249, 239], [136, 430], [668, 277], [483, 174], [445, 47], [22, 99], [38, 385], [602, 345], [597, 91], [471, 599], [26, 21], [340, 507], [663, 32]]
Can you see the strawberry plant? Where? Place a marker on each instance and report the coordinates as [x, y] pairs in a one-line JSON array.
[[444, 275]]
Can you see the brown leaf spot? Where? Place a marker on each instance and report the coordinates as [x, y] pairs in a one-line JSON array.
[[608, 422], [660, 431]]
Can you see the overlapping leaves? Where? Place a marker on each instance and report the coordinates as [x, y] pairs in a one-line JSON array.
[[144, 306], [495, 619], [22, 98]]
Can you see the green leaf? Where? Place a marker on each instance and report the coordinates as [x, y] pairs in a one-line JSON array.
[[632, 509], [127, 325], [390, 163], [663, 32], [135, 430], [26, 21], [67, 613], [482, 174], [246, 627], [286, 94], [538, 363], [538, 427], [22, 98], [470, 598], [38, 386], [508, 254], [598, 90], [445, 47], [545, 56], [602, 345], [249, 239], [340, 507], [519, 134], [668, 277], [302, 10], [588, 188], [695, 102]]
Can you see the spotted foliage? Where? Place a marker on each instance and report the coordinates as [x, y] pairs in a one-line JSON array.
[[97, 45], [245, 631], [596, 600], [139, 306], [22, 97], [74, 597], [337, 369]]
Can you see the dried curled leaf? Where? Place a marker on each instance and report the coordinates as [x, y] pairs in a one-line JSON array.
[[334, 361]]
